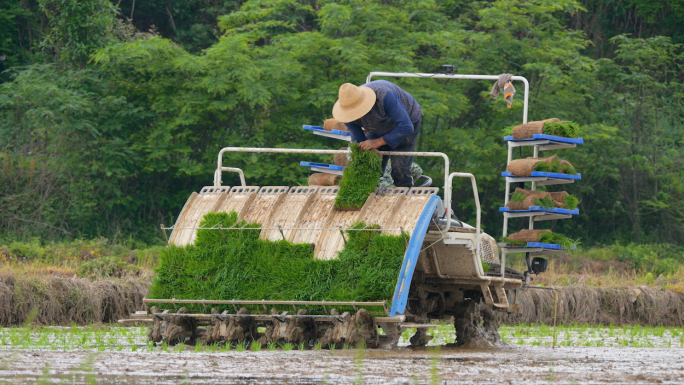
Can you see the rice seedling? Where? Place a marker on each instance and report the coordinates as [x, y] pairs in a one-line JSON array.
[[271, 345], [511, 242], [287, 346], [134, 348], [567, 169], [318, 346], [226, 347], [434, 366], [236, 259], [255, 346], [241, 346], [301, 346], [565, 129], [180, 347], [570, 202], [360, 178], [358, 366], [546, 203], [486, 266], [345, 347], [518, 197], [558, 239], [198, 347]]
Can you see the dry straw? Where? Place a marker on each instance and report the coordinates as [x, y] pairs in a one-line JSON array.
[[64, 301], [601, 306]]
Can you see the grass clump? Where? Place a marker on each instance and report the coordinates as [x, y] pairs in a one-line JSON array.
[[558, 239], [360, 178], [565, 129], [227, 264]]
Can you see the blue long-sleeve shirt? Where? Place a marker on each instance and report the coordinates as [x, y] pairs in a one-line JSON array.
[[389, 118]]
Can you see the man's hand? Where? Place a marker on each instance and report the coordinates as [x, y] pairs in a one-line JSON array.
[[370, 144]]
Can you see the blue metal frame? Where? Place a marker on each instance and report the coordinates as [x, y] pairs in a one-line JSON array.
[[401, 291]]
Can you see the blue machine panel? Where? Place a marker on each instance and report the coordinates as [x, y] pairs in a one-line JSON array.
[[401, 291]]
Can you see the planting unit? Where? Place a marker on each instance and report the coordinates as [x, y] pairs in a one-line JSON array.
[[441, 276]]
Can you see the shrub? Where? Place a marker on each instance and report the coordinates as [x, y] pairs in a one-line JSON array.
[[106, 267]]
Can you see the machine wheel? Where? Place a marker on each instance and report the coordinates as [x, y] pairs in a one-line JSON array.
[[475, 323]]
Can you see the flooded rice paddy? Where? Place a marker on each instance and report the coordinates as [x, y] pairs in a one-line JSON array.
[[118, 355]]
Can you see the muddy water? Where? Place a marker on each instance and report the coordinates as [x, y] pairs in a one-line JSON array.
[[528, 364]]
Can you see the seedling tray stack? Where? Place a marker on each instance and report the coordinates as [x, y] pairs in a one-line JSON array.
[[335, 134], [540, 142]]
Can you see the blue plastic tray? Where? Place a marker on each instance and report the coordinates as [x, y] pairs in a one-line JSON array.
[[553, 138], [550, 246], [322, 165], [553, 175], [318, 128], [547, 246], [541, 209]]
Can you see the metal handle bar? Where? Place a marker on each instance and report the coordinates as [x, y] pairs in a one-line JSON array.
[[219, 168], [217, 175], [447, 198], [444, 76]]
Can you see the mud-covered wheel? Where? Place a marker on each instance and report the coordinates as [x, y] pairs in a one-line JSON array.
[[390, 339], [476, 325]]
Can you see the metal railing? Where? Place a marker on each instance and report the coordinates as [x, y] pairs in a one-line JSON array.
[[456, 76], [220, 168]]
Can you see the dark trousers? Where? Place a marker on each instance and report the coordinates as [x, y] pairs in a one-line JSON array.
[[401, 165]]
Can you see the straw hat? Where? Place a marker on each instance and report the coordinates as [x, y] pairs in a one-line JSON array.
[[354, 102]]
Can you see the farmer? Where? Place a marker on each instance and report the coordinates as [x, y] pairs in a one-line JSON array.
[[391, 118]]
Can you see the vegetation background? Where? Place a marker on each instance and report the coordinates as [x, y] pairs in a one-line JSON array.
[[112, 112]]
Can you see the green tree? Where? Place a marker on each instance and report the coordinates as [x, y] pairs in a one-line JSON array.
[[76, 28]]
